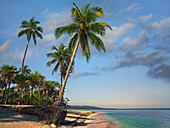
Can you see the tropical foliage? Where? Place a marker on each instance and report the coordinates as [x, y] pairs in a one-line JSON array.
[[30, 30], [23, 87], [83, 30], [61, 57], [34, 88]]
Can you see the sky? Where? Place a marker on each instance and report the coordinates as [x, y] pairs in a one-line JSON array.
[[135, 70]]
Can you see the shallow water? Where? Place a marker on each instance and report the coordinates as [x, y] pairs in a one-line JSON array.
[[140, 118]]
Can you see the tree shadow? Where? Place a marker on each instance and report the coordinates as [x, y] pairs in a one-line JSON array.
[[9, 115]]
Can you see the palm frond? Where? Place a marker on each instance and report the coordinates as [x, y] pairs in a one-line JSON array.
[[24, 26], [77, 10], [69, 29], [34, 38], [97, 28], [24, 22], [56, 67], [54, 48], [38, 34], [96, 41], [22, 33], [40, 29], [32, 19], [37, 22], [105, 25], [72, 42], [49, 54], [51, 62], [85, 9]]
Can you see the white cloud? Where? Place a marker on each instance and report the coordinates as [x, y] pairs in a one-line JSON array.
[[153, 25], [5, 46], [130, 45], [165, 22], [141, 19], [49, 37], [131, 9], [112, 36], [82, 74], [55, 19]]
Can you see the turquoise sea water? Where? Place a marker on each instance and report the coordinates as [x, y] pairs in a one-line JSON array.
[[140, 118]]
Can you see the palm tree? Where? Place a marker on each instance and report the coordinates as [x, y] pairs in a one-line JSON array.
[[8, 73], [25, 70], [2, 86], [62, 57], [21, 84], [34, 79], [30, 29], [84, 29], [49, 89]]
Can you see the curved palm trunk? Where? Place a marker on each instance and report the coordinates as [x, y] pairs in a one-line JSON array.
[[24, 57], [61, 76], [21, 96], [61, 91]]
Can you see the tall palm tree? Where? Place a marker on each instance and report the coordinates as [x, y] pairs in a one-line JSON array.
[[84, 29], [61, 57], [31, 30]]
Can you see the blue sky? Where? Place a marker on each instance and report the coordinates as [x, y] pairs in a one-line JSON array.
[[135, 70]]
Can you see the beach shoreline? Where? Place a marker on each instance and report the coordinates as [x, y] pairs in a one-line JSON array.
[[78, 119], [89, 119], [101, 121]]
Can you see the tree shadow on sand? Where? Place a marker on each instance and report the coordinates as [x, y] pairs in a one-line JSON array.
[[9, 115]]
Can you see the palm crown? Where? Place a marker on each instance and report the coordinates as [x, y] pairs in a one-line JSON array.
[[62, 57], [31, 29], [85, 28]]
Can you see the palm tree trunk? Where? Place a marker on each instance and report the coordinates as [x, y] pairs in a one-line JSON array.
[[61, 74], [30, 95], [3, 98], [24, 57], [8, 93], [61, 91], [21, 96]]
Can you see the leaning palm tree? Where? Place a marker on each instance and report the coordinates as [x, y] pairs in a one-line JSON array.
[[85, 30], [31, 30], [61, 57]]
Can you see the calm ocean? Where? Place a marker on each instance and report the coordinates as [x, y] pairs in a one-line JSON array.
[[140, 118]]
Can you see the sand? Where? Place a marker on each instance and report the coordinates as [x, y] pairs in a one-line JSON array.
[[87, 119], [77, 119]]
